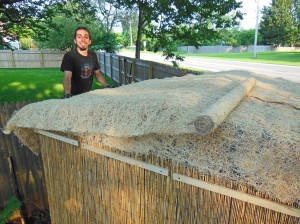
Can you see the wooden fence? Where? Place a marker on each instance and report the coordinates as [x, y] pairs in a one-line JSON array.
[[125, 70], [30, 59], [21, 171]]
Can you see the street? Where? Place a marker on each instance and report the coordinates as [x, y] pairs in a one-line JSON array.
[[291, 73]]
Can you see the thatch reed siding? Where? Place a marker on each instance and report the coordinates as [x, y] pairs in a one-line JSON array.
[[87, 185], [21, 171]]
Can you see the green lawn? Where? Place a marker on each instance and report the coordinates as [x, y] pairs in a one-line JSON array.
[[33, 84], [283, 58]]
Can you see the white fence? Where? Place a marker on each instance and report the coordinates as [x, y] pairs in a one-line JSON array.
[[231, 49]]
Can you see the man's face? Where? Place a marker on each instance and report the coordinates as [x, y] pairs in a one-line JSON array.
[[82, 39]]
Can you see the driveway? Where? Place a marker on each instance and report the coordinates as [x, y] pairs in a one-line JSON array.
[[291, 73]]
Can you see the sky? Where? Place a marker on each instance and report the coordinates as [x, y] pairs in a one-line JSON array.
[[250, 7]]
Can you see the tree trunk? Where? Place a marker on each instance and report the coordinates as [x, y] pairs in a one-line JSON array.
[[139, 35]]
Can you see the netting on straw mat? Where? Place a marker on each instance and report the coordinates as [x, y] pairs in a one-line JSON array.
[[256, 142]]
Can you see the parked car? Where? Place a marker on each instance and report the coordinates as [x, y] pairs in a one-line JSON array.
[[12, 43]]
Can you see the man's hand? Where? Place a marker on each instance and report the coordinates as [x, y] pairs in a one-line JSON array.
[[67, 95]]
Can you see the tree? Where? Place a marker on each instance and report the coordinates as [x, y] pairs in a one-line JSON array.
[[129, 20], [16, 12], [57, 32], [109, 14], [296, 13], [296, 17], [176, 20], [246, 37], [278, 26], [106, 41], [21, 15]]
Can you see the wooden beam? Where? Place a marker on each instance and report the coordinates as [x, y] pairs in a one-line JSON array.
[[238, 195], [58, 137], [126, 159]]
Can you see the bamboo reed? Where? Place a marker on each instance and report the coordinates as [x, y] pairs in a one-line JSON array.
[[105, 190]]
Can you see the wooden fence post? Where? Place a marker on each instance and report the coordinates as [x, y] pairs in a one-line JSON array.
[[111, 66], [119, 70], [104, 60], [12, 59], [42, 59], [133, 68], [124, 65], [99, 60], [150, 70]]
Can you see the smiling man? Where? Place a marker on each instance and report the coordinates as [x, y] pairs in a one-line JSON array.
[[80, 65]]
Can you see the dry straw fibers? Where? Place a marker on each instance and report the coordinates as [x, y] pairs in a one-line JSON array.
[[256, 142]]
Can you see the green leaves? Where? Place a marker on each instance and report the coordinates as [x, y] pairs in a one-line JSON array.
[[12, 205], [168, 21], [280, 25], [106, 41]]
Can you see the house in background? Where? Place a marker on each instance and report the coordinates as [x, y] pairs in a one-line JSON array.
[[12, 43]]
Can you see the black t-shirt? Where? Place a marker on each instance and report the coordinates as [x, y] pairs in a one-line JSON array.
[[82, 68]]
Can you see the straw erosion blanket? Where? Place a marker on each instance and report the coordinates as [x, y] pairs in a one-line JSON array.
[[236, 125]]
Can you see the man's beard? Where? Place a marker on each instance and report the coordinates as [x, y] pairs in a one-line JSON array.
[[81, 49]]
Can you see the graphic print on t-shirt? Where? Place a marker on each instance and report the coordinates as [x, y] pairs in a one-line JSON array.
[[86, 70]]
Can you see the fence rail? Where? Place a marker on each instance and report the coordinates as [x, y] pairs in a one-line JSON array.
[[21, 171]]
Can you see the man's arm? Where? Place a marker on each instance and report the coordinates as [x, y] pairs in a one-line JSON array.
[[67, 82], [100, 78]]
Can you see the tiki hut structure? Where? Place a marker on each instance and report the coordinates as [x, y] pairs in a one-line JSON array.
[[213, 148]]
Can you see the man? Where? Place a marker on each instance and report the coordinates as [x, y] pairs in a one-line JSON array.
[[80, 66]]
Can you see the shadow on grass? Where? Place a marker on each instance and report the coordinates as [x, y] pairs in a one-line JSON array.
[[17, 91]]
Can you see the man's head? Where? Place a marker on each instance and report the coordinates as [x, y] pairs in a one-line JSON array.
[[82, 38]]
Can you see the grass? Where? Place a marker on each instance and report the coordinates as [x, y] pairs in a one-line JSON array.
[[33, 84], [282, 58]]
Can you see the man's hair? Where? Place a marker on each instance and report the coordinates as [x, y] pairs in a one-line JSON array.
[[82, 28]]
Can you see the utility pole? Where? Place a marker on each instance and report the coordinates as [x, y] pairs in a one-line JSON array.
[[256, 30]]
